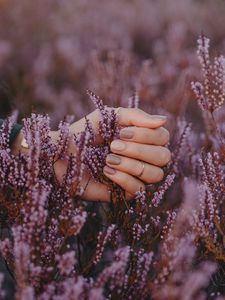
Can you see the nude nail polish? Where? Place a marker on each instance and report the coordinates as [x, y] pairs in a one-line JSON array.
[[126, 133], [109, 170], [113, 159]]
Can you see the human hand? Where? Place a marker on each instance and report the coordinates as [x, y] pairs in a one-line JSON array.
[[142, 141], [125, 162]]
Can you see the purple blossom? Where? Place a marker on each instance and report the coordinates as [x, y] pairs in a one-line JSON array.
[[157, 245], [108, 120], [102, 240], [210, 94], [115, 273], [66, 263], [159, 194]]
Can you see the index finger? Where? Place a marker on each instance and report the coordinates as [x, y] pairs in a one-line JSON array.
[[138, 117]]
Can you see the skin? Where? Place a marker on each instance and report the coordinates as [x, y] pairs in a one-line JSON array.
[[146, 145]]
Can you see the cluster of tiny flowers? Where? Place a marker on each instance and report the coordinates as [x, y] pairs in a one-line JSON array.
[[63, 141], [182, 145], [159, 194], [45, 216], [108, 119], [103, 238], [115, 273], [95, 157], [143, 261], [210, 94], [66, 262], [138, 231], [133, 101], [165, 243], [82, 141]]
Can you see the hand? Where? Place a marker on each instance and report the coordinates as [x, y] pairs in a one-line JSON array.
[[143, 143], [140, 150]]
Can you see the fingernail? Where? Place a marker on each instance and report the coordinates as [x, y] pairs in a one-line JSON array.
[[118, 145], [113, 159], [109, 170], [126, 133], [159, 117]]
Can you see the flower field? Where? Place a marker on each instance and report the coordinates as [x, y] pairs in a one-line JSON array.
[[60, 60]]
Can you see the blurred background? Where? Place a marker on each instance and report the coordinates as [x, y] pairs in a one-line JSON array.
[[51, 51]]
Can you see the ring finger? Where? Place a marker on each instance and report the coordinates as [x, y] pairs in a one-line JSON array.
[[129, 183], [151, 174]]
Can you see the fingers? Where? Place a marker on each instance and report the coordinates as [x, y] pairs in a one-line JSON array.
[[138, 117], [155, 155], [159, 136], [129, 183], [126, 117], [151, 174]]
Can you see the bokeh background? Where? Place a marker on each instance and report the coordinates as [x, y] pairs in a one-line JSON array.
[[51, 51]]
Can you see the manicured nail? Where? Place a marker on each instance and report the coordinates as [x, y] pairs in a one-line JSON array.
[[109, 170], [126, 133], [158, 117], [113, 159], [118, 145]]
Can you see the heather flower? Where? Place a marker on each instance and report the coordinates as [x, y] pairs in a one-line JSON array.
[[159, 194], [102, 240], [64, 138], [210, 94], [5, 132], [182, 145], [82, 141], [71, 289], [94, 159], [115, 273], [66, 262], [133, 101], [164, 240], [96, 294], [108, 120], [140, 275]]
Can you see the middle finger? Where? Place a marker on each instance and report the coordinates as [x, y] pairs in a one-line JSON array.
[[156, 155], [151, 174], [158, 136]]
